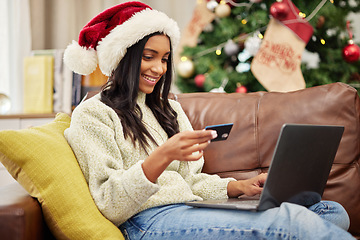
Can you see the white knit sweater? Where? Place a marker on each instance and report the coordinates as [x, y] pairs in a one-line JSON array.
[[112, 165]]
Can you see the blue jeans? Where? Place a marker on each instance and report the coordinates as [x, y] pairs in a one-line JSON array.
[[325, 220]]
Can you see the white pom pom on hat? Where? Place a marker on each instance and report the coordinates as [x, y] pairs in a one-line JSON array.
[[106, 38], [79, 59]]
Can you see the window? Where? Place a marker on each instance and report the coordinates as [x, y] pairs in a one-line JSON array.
[[15, 43]]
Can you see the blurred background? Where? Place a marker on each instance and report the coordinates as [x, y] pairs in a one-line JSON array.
[[211, 57]]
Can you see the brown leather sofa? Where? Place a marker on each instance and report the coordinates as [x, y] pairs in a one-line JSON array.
[[257, 119]]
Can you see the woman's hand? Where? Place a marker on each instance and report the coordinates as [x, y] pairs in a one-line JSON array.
[[249, 187], [184, 146], [187, 146]]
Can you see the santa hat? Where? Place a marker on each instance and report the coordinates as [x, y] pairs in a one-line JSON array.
[[105, 39]]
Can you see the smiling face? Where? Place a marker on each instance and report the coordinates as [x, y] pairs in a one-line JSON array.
[[154, 62]]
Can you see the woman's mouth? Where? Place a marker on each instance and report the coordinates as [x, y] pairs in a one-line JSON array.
[[151, 80]]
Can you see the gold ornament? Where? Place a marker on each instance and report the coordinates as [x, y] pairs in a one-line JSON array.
[[222, 10], [185, 68]]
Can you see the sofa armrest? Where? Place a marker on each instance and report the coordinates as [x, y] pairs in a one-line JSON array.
[[20, 215]]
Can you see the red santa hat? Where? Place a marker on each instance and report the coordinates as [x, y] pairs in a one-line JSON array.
[[106, 38]]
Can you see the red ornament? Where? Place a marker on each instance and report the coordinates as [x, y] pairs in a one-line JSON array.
[[351, 52], [199, 80], [279, 10], [241, 89]]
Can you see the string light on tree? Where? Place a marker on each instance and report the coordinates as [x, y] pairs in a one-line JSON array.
[[218, 51]]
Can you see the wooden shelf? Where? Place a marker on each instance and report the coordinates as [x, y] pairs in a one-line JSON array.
[[21, 121], [28, 115]]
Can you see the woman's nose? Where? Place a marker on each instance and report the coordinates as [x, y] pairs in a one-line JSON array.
[[159, 67]]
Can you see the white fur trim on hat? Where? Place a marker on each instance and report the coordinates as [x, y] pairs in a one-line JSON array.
[[80, 59], [112, 48]]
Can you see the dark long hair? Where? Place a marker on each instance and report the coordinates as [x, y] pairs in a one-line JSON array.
[[121, 91]]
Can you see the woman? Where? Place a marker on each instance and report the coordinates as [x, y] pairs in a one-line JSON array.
[[139, 154]]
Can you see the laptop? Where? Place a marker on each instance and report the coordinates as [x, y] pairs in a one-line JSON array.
[[298, 172]]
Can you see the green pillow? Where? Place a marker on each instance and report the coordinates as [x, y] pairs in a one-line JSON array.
[[41, 160]]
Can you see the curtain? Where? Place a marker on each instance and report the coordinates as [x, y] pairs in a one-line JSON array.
[[55, 23], [15, 43]]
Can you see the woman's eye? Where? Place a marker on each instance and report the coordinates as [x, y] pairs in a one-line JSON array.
[[147, 57], [165, 60]]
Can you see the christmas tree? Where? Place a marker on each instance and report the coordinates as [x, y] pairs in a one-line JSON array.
[[226, 46]]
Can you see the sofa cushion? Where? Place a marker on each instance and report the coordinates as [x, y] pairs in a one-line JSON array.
[[41, 160], [20, 215]]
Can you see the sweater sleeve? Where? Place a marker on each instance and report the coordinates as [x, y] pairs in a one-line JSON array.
[[203, 185], [95, 135]]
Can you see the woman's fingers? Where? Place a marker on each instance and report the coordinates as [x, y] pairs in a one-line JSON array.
[[197, 137], [261, 178], [195, 148], [193, 157]]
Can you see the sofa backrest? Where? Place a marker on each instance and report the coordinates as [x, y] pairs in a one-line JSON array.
[[258, 118]]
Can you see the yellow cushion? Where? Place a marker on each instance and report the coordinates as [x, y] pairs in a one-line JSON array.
[[41, 160]]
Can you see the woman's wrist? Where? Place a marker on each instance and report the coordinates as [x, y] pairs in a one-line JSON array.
[[234, 189], [155, 164]]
